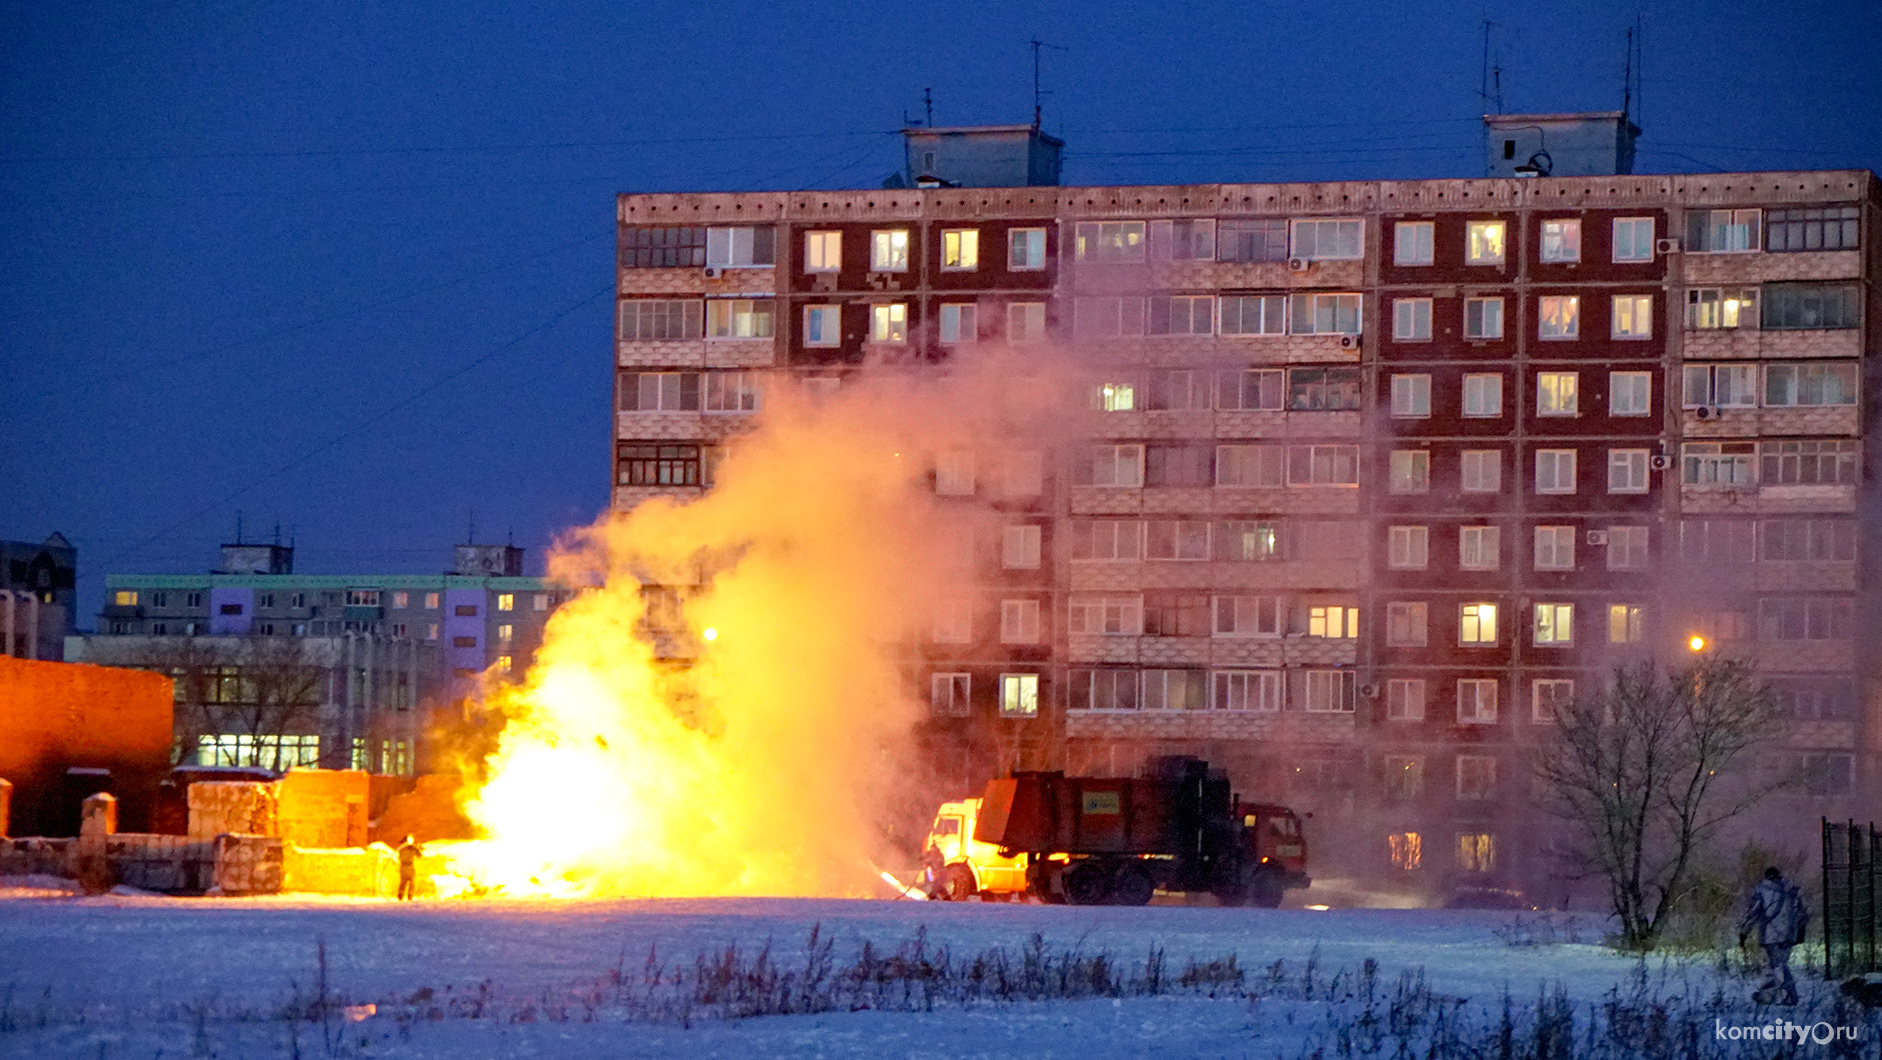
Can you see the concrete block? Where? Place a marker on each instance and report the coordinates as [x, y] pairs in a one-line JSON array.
[[324, 807], [248, 864], [234, 806], [369, 872], [98, 815]]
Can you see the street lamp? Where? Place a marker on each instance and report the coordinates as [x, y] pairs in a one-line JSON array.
[[1696, 643]]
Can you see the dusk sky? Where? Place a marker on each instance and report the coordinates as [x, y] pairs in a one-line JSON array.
[[347, 267]]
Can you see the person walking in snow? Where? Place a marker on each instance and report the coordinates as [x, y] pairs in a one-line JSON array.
[[1776, 911], [408, 867]]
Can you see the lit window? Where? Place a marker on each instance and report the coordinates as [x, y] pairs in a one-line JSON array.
[[823, 251], [1624, 624], [1630, 393], [1710, 308], [1483, 318], [960, 249], [1555, 548], [823, 325], [1627, 470], [1558, 316], [888, 323], [1633, 316], [948, 694], [1476, 701], [1411, 243], [505, 634], [958, 323], [1327, 240], [1483, 394], [1483, 242], [1025, 321], [1633, 239], [1334, 623], [1026, 249], [1411, 319], [1561, 240], [1019, 695], [1555, 471], [1480, 470], [1109, 241], [431, 631], [1405, 624], [431, 601], [362, 598], [125, 598], [1555, 623], [1479, 547], [888, 250], [1557, 393], [1411, 395], [1407, 547], [738, 318], [1476, 852], [1019, 621], [1477, 624], [506, 601], [1406, 850], [1410, 470]]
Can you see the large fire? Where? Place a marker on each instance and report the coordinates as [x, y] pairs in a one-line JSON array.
[[766, 766]]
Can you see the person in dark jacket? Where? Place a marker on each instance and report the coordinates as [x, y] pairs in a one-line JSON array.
[[409, 852], [1777, 913]]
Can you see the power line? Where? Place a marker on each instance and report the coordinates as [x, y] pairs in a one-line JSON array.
[[341, 152]]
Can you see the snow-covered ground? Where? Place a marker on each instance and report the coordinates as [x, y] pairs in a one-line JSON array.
[[134, 976]]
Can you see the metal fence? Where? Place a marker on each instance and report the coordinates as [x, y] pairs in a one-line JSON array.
[[1852, 876]]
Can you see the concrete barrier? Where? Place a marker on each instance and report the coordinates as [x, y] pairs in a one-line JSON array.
[[234, 807], [321, 808], [249, 864], [369, 872]]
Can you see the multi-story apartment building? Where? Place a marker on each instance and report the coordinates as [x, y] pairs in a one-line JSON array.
[[1372, 473], [388, 648], [37, 588]]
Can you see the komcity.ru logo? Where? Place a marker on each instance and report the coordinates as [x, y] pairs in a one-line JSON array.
[[1819, 1033]]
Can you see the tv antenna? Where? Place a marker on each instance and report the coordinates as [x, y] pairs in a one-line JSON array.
[[1038, 96], [1492, 74]]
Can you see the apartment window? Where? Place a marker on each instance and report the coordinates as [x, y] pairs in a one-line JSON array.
[[431, 631], [1247, 616], [1411, 470], [431, 601], [1803, 618], [1627, 470], [1255, 691], [1405, 624], [738, 318], [660, 319], [823, 325], [1717, 463], [1721, 231], [1555, 624], [1104, 689], [1476, 774], [1788, 385], [1405, 850], [1113, 465], [1332, 622], [1411, 243], [1555, 471], [1477, 626], [1176, 539], [1107, 318], [1808, 462], [1624, 624], [1106, 539], [1476, 701], [1178, 465], [1719, 386], [1026, 249], [1192, 239], [954, 472], [823, 251], [539, 602], [1251, 390], [1815, 700], [463, 642], [1548, 697], [1476, 852], [1483, 394], [1019, 695], [659, 391], [124, 598], [1176, 614], [1181, 390], [1827, 774], [948, 694], [960, 249], [1812, 228], [888, 250], [741, 247], [1479, 547], [506, 601], [888, 323], [644, 464], [506, 633], [1242, 239], [1324, 314], [1019, 547], [1408, 547], [730, 392], [1561, 240], [648, 247], [1109, 241], [1239, 541], [1176, 690], [1411, 319], [1725, 625], [1633, 239], [1323, 240], [1411, 395], [1708, 308], [1323, 465], [1323, 389], [1328, 691], [1627, 547], [1630, 393], [1182, 315], [1483, 243], [1248, 465], [1558, 393], [1558, 316], [1113, 397], [1801, 306], [1254, 314], [1405, 699], [196, 600], [1025, 321], [1483, 318], [952, 621], [1555, 548], [1117, 616], [399, 600], [1806, 540], [1633, 316]]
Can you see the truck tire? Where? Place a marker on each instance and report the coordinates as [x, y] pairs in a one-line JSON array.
[[1131, 885], [1088, 883], [957, 884], [1265, 888]]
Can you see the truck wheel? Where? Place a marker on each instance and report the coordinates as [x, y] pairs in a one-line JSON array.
[[1087, 884], [1131, 885], [1265, 889], [957, 884]]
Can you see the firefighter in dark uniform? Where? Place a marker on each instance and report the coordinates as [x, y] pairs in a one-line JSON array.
[[409, 852]]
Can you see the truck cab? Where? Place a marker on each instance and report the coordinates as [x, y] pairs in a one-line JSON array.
[[957, 867], [1276, 851]]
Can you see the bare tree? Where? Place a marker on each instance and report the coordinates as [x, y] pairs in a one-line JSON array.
[[276, 693], [1649, 768]]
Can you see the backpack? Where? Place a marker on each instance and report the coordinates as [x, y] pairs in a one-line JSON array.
[[1792, 918]]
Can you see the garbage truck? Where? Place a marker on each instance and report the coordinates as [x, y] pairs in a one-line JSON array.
[[1115, 840]]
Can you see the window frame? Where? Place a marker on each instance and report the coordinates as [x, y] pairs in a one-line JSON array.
[[823, 251], [963, 245], [884, 253], [1570, 247], [1020, 245], [1422, 243], [1563, 485], [1632, 241], [1486, 242]]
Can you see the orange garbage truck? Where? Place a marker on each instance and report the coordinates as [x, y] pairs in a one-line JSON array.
[[1115, 840]]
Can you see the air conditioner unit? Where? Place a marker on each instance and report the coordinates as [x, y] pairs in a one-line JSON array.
[[1666, 246], [1299, 264], [713, 272], [1597, 537], [1370, 691], [1660, 461], [1702, 412], [1349, 342]]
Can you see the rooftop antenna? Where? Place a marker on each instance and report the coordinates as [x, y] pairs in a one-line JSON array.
[[1037, 95], [1483, 87], [927, 100], [1627, 75], [238, 526], [470, 528], [277, 533]]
